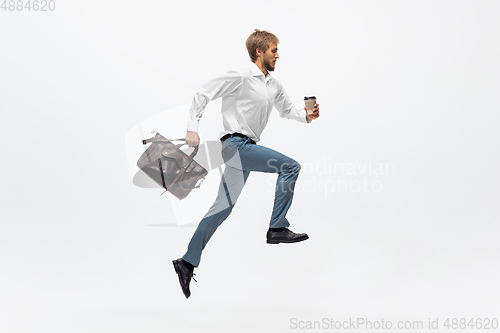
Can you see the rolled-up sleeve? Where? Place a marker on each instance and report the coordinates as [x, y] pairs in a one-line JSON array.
[[224, 85]]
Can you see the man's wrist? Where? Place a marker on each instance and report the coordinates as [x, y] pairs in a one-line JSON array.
[[193, 125]]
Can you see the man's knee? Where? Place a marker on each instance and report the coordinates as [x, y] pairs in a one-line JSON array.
[[293, 167]]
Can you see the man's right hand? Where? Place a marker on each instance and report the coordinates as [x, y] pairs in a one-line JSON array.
[[192, 139]]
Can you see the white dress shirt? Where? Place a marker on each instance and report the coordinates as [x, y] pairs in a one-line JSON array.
[[248, 97]]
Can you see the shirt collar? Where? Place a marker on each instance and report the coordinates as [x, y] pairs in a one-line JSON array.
[[256, 71]]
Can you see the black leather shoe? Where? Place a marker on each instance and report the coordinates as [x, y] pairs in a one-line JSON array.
[[184, 275], [285, 236]]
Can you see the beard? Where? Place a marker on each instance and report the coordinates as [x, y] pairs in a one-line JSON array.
[[269, 65]]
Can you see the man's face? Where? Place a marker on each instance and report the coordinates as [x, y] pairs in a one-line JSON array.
[[270, 57]]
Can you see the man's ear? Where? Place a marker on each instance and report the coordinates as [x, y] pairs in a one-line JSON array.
[[258, 52]]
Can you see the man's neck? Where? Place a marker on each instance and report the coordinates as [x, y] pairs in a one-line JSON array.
[[260, 64]]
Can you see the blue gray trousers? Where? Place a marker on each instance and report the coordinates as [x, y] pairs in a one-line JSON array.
[[240, 157]]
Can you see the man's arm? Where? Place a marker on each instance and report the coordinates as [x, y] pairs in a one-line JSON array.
[[287, 109], [224, 85]]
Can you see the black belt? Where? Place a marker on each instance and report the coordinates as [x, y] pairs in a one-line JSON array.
[[227, 136]]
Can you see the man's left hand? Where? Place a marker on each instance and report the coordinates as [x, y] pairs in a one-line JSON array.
[[314, 115]]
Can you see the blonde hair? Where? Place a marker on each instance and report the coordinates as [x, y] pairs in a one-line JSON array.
[[259, 39]]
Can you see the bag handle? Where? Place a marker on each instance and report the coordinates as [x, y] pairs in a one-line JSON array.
[[153, 139]]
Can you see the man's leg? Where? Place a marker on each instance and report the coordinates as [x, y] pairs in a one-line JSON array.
[[263, 159], [230, 188], [241, 157]]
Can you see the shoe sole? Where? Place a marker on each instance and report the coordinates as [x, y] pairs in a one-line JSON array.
[[176, 267], [274, 241]]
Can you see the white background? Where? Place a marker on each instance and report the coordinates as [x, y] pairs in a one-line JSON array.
[[409, 84]]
